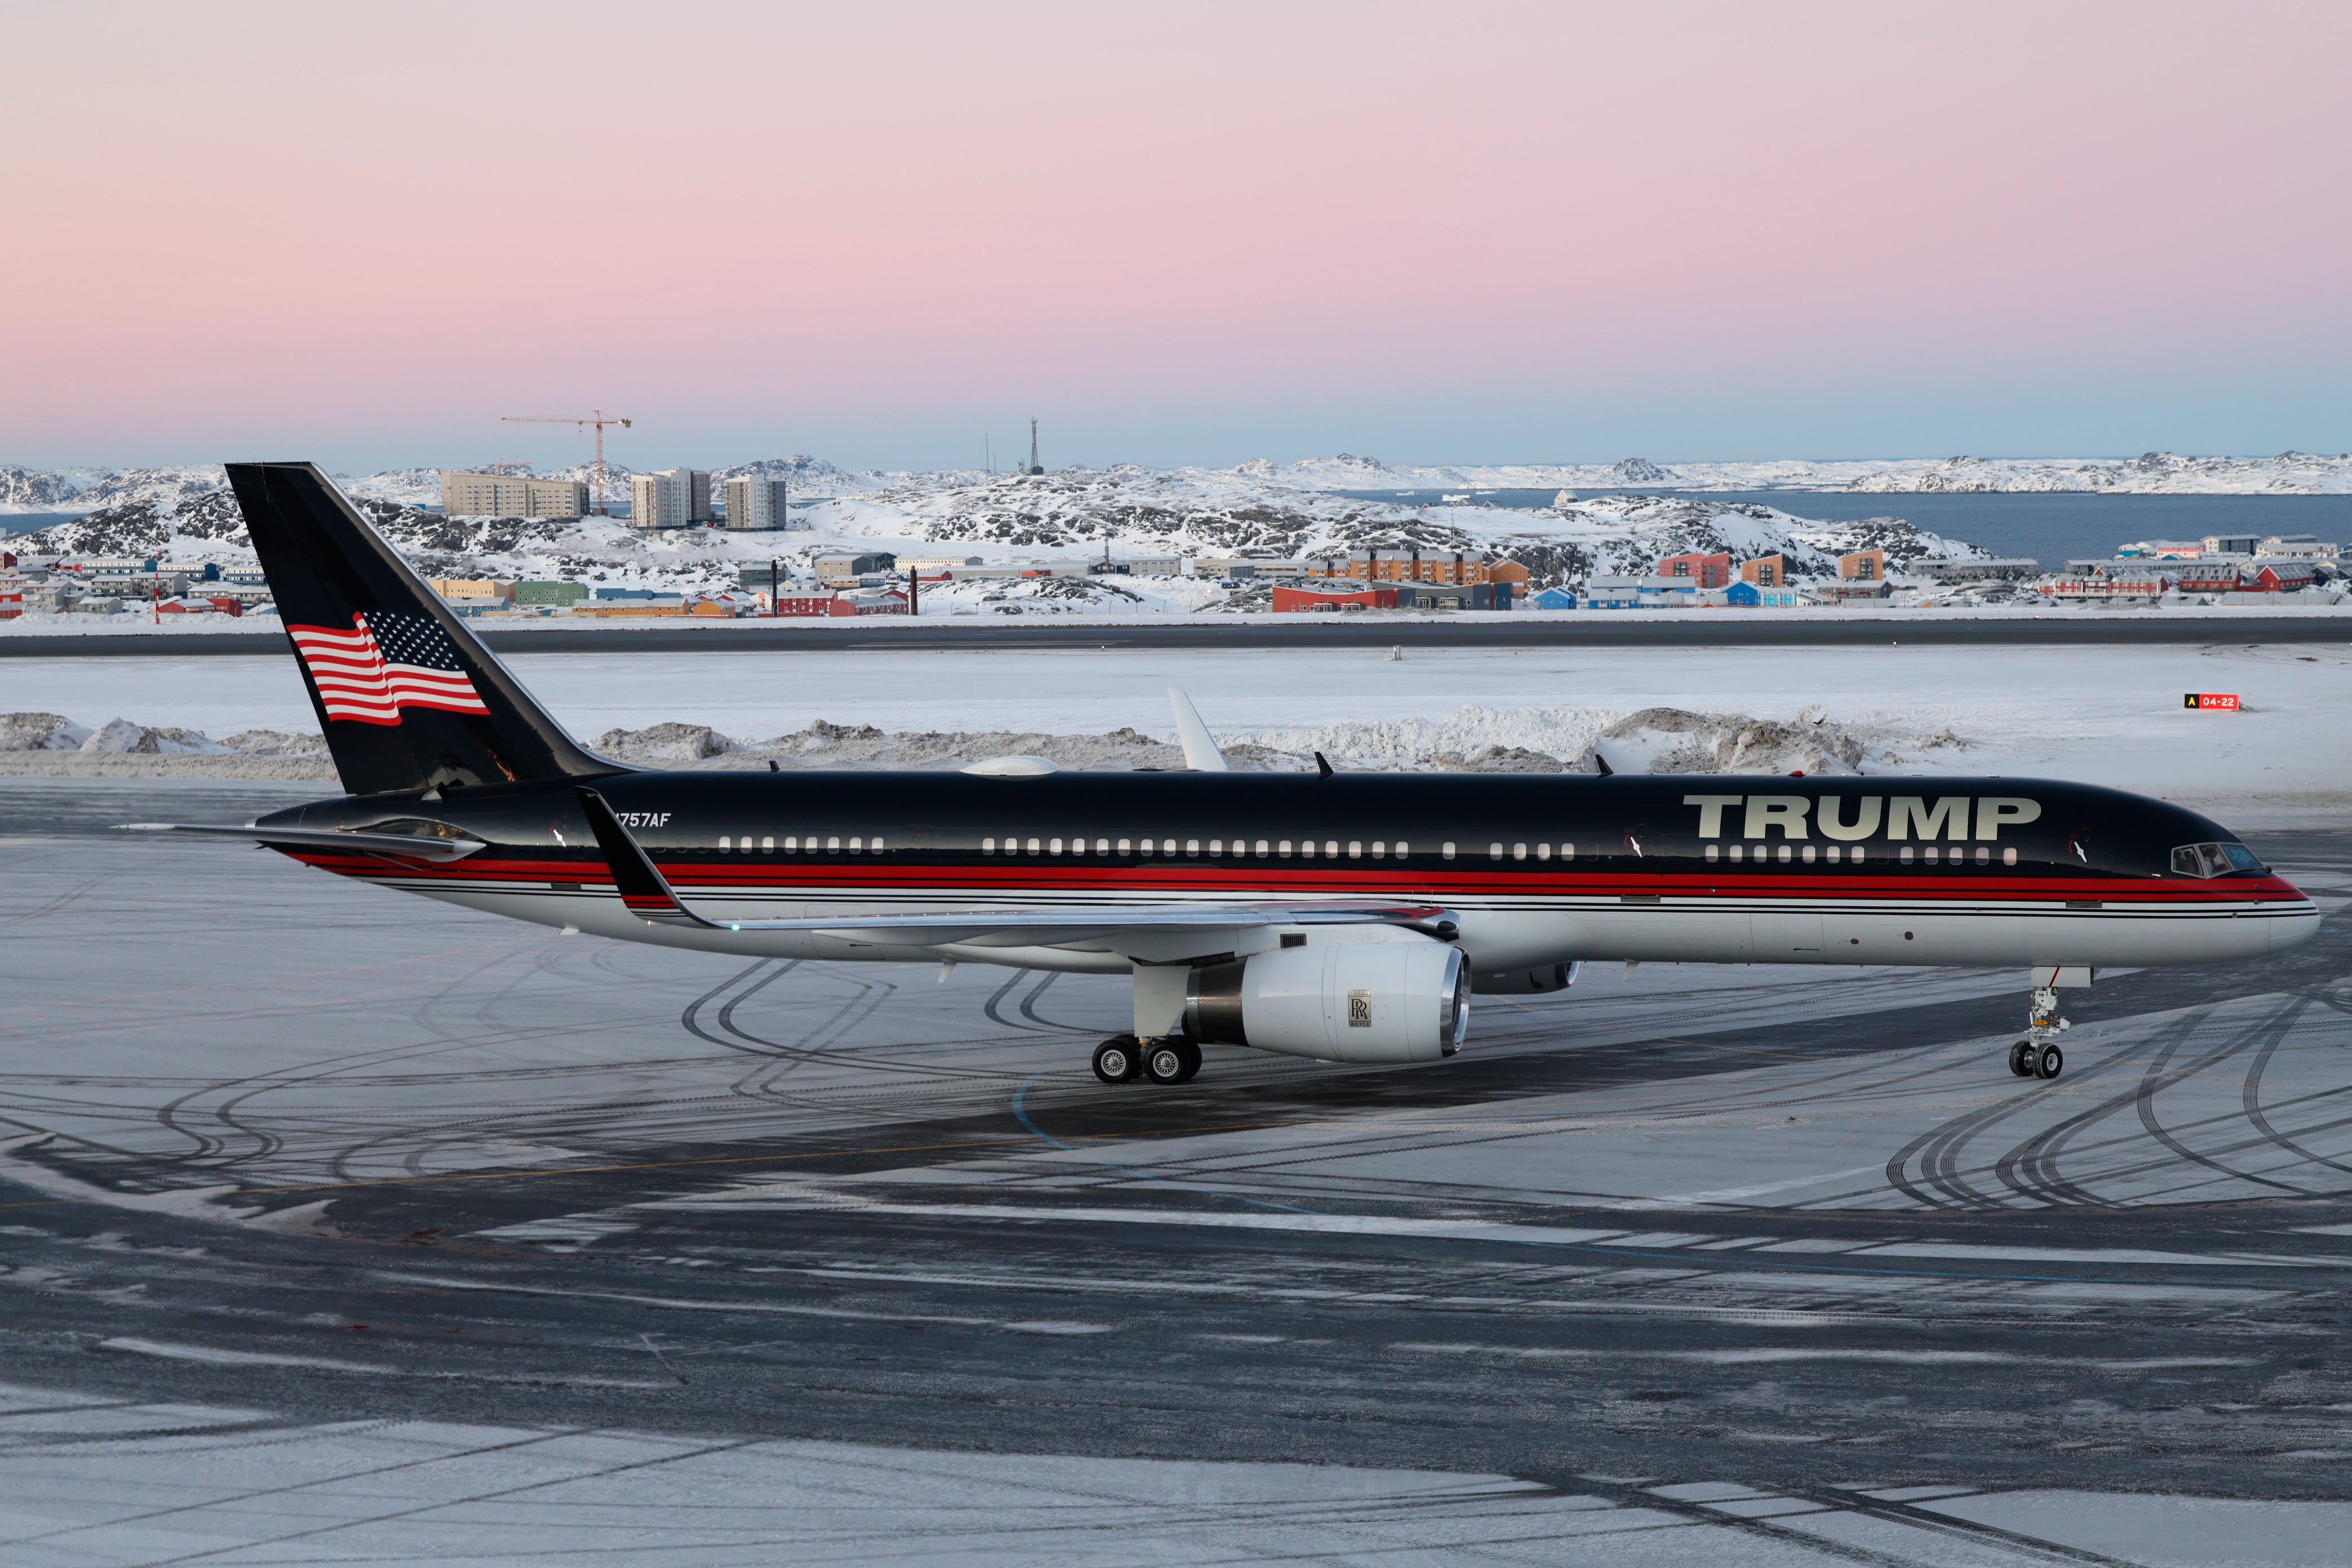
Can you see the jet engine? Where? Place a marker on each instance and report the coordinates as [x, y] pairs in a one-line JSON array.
[[1344, 1001]]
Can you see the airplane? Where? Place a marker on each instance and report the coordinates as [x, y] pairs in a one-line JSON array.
[[1345, 917]]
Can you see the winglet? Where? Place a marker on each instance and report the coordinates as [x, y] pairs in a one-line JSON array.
[[1200, 753], [643, 888]]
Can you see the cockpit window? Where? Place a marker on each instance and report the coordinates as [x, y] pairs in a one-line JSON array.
[[2214, 860]]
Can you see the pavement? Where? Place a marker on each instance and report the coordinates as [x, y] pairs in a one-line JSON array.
[[1827, 628], [341, 1225]]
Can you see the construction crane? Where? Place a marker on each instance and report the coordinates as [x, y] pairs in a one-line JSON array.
[[596, 416]]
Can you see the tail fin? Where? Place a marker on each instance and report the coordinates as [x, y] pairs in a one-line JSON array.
[[408, 699]]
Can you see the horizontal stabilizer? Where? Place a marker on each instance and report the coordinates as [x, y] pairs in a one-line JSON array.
[[405, 845]]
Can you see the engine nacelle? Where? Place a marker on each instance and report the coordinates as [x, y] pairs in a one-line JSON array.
[[1343, 1002]]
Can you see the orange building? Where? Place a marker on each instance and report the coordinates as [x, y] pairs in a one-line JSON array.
[[1766, 571], [1411, 565], [1864, 566]]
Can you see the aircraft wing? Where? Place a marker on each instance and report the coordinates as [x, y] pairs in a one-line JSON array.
[[648, 895]]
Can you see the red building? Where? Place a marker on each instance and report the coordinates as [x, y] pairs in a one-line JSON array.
[[1288, 599], [2277, 576], [814, 605], [1708, 570]]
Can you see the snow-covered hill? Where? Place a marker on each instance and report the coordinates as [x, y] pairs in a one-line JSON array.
[[2153, 473], [24, 489], [1077, 513]]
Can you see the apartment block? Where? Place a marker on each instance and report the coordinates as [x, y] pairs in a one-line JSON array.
[[672, 498], [511, 495], [757, 503]]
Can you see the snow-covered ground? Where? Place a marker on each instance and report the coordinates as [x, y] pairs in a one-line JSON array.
[[2103, 715], [27, 489], [98, 1481]]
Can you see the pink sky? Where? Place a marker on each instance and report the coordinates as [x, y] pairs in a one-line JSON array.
[[1197, 233]]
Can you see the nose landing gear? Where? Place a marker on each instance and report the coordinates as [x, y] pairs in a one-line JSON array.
[[2038, 1056]]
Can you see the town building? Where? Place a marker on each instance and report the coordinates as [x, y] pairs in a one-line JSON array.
[[669, 498], [511, 495], [755, 503], [529, 593], [2300, 546], [1864, 566], [2162, 548], [1706, 571], [1415, 566], [1766, 571], [1232, 568], [1288, 599], [1554, 599], [2277, 576], [1648, 593], [2007, 568], [2207, 574], [848, 565], [2232, 543]]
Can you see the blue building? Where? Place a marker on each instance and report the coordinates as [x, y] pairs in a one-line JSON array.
[[1554, 599]]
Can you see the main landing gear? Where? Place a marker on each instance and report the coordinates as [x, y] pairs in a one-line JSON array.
[[2038, 1056], [1123, 1059]]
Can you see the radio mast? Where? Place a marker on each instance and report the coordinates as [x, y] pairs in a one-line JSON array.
[[1034, 467]]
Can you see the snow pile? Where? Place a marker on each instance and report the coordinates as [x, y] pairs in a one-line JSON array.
[[664, 744], [40, 732], [120, 737], [1674, 740]]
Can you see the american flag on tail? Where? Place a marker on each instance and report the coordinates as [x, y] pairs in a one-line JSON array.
[[386, 662]]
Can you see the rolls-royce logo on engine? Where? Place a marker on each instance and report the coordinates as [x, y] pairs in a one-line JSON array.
[[1902, 815], [1359, 1009]]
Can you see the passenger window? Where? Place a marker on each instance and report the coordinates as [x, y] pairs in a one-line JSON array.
[[1934, 854], [767, 846], [1836, 854], [793, 845], [1905, 855], [856, 846], [832, 845], [1543, 851], [1122, 845], [1739, 851], [1568, 851], [1854, 854], [1033, 847], [1102, 845], [1518, 851], [1261, 848], [1355, 849], [1784, 853], [1216, 846], [1713, 850], [1330, 849], [1191, 847], [987, 846], [1809, 854], [1380, 848], [1983, 855], [1283, 849], [1402, 850], [725, 843], [1445, 851], [1053, 846], [874, 844], [2008, 855], [1494, 852]]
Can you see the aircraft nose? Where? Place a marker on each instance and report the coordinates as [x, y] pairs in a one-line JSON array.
[[2294, 927]]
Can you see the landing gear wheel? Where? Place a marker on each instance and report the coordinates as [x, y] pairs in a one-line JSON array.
[[2049, 1062], [2021, 1058], [1119, 1060], [1171, 1061]]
